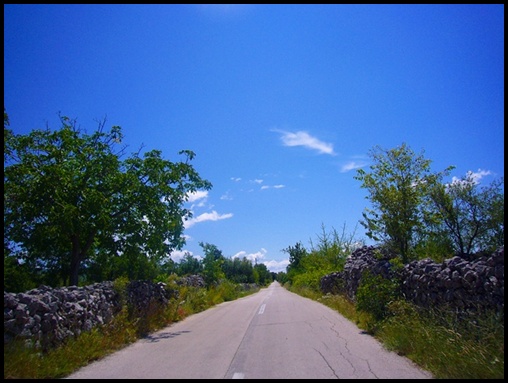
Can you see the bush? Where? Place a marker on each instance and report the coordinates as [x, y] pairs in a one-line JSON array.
[[375, 293]]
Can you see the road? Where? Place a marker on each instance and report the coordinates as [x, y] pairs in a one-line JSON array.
[[273, 334]]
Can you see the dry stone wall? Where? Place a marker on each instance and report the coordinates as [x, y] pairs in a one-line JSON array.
[[45, 317], [457, 283]]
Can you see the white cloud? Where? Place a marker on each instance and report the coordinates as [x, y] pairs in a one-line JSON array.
[[304, 139], [177, 255], [197, 195], [471, 177], [352, 165], [236, 179], [272, 266], [276, 266], [253, 257], [257, 181], [264, 187], [475, 177], [213, 216]]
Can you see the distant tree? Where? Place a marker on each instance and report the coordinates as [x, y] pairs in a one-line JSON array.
[[264, 275], [473, 217], [399, 185], [212, 263], [296, 254], [189, 265], [238, 270], [69, 196]]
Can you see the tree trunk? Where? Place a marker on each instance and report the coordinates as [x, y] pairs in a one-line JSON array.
[[74, 269]]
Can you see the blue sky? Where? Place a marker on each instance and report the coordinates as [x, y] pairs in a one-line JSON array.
[[280, 103]]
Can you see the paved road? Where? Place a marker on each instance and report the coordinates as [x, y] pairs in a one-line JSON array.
[[273, 334]]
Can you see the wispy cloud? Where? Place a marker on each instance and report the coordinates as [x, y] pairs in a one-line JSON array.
[[302, 138], [226, 196], [352, 165], [264, 187], [236, 179], [213, 216], [197, 195]]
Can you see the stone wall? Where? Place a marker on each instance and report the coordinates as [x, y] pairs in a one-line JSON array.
[[45, 317], [456, 283]]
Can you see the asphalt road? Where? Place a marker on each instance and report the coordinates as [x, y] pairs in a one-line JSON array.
[[273, 334]]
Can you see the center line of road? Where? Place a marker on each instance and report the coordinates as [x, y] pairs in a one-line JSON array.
[[262, 309], [238, 375]]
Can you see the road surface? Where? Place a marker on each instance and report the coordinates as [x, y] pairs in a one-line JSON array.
[[273, 334]]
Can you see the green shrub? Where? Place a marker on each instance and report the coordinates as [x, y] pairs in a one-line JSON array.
[[375, 293]]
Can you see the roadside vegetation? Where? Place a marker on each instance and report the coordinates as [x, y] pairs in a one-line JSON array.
[[76, 212], [415, 216]]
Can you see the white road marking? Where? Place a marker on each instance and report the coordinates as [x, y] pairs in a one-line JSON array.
[[262, 309], [238, 375]]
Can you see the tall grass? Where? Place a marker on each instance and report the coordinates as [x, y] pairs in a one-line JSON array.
[[448, 346]]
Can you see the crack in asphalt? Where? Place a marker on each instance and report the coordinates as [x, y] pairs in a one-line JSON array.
[[328, 364]]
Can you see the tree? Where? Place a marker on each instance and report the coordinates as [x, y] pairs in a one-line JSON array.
[[399, 185], [189, 265], [69, 196], [238, 270], [472, 217], [212, 263], [264, 275], [296, 254]]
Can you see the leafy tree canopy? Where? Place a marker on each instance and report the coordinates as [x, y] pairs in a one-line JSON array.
[[399, 185], [70, 196], [473, 216]]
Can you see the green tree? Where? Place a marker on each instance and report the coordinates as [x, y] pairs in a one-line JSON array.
[[189, 265], [212, 264], [472, 216], [296, 254], [264, 275], [399, 186], [69, 196], [238, 270]]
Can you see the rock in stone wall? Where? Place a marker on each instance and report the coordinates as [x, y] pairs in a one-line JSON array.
[[191, 280], [456, 283]]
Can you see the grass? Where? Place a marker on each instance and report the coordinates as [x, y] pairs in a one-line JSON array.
[[21, 362], [439, 342]]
